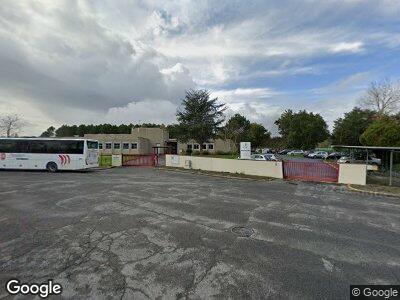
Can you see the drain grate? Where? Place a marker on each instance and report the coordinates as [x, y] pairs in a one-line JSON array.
[[243, 231]]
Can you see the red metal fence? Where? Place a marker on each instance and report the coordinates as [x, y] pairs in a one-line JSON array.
[[138, 160], [149, 160], [312, 171]]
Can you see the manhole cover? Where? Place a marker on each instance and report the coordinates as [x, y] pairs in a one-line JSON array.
[[243, 231]]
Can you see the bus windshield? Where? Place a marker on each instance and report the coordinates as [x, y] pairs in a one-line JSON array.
[[92, 145]]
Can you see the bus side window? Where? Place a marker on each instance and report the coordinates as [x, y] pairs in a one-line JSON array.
[[7, 146], [21, 146], [53, 147], [37, 147]]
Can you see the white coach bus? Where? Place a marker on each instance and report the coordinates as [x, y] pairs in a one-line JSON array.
[[48, 154]]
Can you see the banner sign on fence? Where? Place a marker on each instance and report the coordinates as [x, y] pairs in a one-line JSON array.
[[245, 150], [116, 160], [175, 160]]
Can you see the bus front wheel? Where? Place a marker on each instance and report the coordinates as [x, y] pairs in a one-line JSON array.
[[51, 167]]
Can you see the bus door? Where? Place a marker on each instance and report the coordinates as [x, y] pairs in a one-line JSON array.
[[21, 156]]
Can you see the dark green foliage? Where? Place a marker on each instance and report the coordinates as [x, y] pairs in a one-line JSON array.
[[385, 132], [258, 135], [200, 117], [175, 131], [302, 130], [81, 130], [50, 132], [237, 129], [347, 130], [277, 143]]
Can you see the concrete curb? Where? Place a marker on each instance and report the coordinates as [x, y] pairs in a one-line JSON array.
[[371, 192], [104, 168]]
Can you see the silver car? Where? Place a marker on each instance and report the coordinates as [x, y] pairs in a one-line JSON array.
[[264, 157], [350, 160]]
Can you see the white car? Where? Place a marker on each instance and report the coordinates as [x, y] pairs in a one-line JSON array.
[[264, 157], [296, 152], [348, 160], [318, 154]]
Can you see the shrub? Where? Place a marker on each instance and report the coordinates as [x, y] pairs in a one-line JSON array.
[[196, 153], [226, 153], [206, 153]]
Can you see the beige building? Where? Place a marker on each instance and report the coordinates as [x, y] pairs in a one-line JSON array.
[[140, 141], [145, 140], [216, 145]]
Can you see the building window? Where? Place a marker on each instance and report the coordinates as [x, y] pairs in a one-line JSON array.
[[108, 145], [189, 146], [117, 145], [125, 146], [134, 145], [210, 146], [204, 146], [100, 146], [196, 146]]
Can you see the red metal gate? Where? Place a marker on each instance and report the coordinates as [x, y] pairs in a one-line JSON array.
[[138, 160], [149, 160], [159, 160], [312, 171]]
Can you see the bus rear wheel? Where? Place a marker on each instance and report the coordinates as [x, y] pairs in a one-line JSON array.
[[51, 167]]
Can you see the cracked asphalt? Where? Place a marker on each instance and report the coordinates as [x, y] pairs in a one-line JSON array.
[[146, 233]]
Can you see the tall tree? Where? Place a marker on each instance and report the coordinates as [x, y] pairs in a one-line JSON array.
[[302, 130], [277, 143], [385, 132], [347, 130], [10, 124], [200, 117], [175, 131], [258, 135], [237, 129], [66, 131], [382, 97], [50, 132]]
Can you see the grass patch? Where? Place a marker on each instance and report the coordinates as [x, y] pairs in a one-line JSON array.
[[392, 190]]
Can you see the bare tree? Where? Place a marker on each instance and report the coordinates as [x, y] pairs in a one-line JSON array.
[[10, 124], [382, 97]]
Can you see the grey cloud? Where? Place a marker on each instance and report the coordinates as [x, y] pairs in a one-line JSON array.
[[78, 63], [72, 56]]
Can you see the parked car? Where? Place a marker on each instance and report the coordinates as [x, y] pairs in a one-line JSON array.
[[307, 153], [266, 150], [335, 155], [296, 152], [318, 154], [264, 157], [350, 160], [284, 152]]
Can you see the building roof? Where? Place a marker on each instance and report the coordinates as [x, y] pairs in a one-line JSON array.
[[368, 147]]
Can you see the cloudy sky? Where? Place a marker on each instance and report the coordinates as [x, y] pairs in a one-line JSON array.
[[122, 61]]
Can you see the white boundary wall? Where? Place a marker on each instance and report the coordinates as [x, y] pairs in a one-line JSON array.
[[353, 174], [348, 173], [248, 167]]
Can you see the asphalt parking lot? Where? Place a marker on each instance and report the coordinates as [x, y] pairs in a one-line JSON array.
[[149, 233]]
